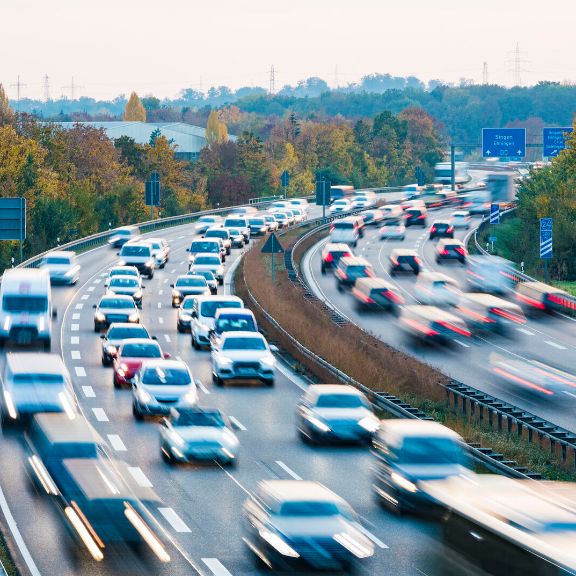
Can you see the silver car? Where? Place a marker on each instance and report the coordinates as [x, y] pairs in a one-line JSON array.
[[62, 267], [188, 285], [115, 309], [271, 222], [208, 262], [131, 271], [223, 234], [126, 286], [160, 251]]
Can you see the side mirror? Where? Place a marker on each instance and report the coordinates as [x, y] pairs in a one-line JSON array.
[[54, 313], [194, 314], [171, 285], [154, 337], [234, 425], [142, 287], [102, 336], [187, 249], [166, 356], [117, 253], [94, 306], [198, 383], [274, 348]]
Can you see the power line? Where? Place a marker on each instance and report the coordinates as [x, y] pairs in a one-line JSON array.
[[19, 85], [46, 83], [72, 87]]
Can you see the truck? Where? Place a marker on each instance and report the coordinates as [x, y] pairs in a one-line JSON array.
[[501, 186], [443, 173]]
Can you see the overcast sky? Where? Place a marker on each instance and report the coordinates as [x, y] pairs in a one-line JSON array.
[[112, 47]]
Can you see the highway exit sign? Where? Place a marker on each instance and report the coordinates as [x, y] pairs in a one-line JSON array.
[[503, 142]]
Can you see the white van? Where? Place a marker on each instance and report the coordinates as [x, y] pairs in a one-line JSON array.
[[345, 231], [26, 307]]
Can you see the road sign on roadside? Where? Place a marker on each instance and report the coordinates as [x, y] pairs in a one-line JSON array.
[[546, 238], [503, 142], [323, 192], [152, 196], [13, 220], [420, 176], [494, 214], [285, 179], [272, 245], [554, 140]]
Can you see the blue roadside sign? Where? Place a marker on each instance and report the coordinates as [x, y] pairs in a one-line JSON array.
[[152, 190], [554, 140], [285, 178], [503, 142], [494, 213], [546, 238]]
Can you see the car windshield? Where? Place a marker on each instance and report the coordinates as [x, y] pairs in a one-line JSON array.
[[357, 269], [142, 350], [309, 508], [25, 303], [235, 324], [35, 378], [207, 260], [213, 419], [156, 245], [431, 451], [244, 344], [344, 225], [117, 303], [191, 281], [234, 231], [160, 375], [57, 260], [341, 203], [122, 333], [207, 274], [209, 307], [207, 219], [123, 282], [204, 247], [217, 234], [124, 272], [257, 222], [281, 216], [136, 251], [339, 401], [392, 223], [188, 304], [236, 222]]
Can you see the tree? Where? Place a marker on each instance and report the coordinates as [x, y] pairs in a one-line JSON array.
[[216, 131], [134, 111], [6, 112]]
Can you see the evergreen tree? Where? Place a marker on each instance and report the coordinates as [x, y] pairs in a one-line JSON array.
[[134, 111]]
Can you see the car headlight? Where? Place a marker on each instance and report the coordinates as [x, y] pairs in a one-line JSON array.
[[229, 437], [70, 273], [149, 264], [277, 543], [220, 271], [144, 397], [110, 349], [134, 317], [268, 361], [177, 439], [317, 423], [190, 398], [403, 483], [7, 323], [354, 542], [176, 294], [138, 295], [185, 317], [370, 423], [224, 361], [41, 324], [100, 317]]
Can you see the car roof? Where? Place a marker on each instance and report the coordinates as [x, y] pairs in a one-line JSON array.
[[126, 325], [337, 247], [116, 297], [436, 222], [355, 261], [235, 312], [58, 427], [139, 341], [138, 242], [374, 282], [35, 363], [423, 428], [432, 313], [435, 277], [404, 252], [205, 240], [489, 300], [216, 229], [122, 268], [243, 334], [540, 287], [452, 241], [343, 389], [219, 298], [298, 490], [155, 240], [198, 276], [164, 363], [61, 253]]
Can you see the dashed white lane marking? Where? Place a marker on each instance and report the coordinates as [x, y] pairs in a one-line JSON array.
[[74, 339], [160, 292], [183, 262], [524, 331], [116, 443], [80, 371], [76, 316], [167, 338], [79, 306], [288, 470], [75, 354], [216, 567], [97, 281], [88, 391], [569, 394], [202, 387], [103, 274], [173, 271], [139, 476], [237, 423], [75, 327], [84, 296], [175, 521], [180, 237], [91, 288], [374, 539], [165, 281], [159, 304], [100, 415], [463, 344], [555, 345], [161, 320]]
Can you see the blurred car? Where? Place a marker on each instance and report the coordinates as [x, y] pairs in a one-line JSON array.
[[415, 216], [126, 286], [237, 238], [409, 452], [345, 231], [461, 219], [129, 358], [62, 267], [349, 269], [491, 274], [412, 204], [198, 435], [33, 383], [486, 312], [291, 217], [271, 222], [115, 308], [241, 223], [299, 214], [184, 317], [258, 226], [448, 249], [282, 219], [441, 229], [205, 246], [131, 271], [242, 356], [391, 211], [437, 289], [376, 294], [331, 254], [188, 285], [335, 412], [138, 254], [203, 314], [160, 386], [208, 263], [339, 206], [223, 234], [392, 229], [300, 203], [373, 217], [208, 221], [116, 334], [123, 235], [210, 279], [404, 260], [246, 211], [540, 297], [432, 324], [160, 251], [232, 320], [300, 524]]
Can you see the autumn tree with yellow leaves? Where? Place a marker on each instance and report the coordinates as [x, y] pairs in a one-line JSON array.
[[134, 111]]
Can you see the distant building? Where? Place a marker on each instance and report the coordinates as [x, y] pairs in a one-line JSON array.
[[190, 140]]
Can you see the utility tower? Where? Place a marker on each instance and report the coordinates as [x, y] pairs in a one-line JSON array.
[[19, 85], [46, 83], [485, 73], [336, 82], [517, 69], [272, 79], [72, 87]]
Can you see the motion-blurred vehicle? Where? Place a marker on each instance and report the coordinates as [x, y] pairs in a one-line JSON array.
[[246, 211], [363, 200], [331, 254], [205, 222], [232, 320], [131, 271], [160, 386], [184, 314], [376, 294], [300, 524], [486, 312], [299, 214], [208, 263], [126, 286], [412, 190], [188, 285], [300, 203], [139, 255], [432, 324], [198, 434], [340, 191], [539, 297], [160, 251], [490, 274], [441, 229], [404, 260], [271, 222], [437, 289], [115, 308], [223, 234], [291, 217], [373, 217], [131, 353], [211, 280], [450, 249], [212, 246], [33, 383], [443, 173], [345, 231], [340, 206], [116, 334], [415, 216], [282, 219], [123, 235], [391, 211], [349, 269], [26, 310], [411, 452], [203, 315], [335, 413], [258, 226], [412, 204], [62, 267], [392, 230], [461, 219], [242, 356], [241, 223]]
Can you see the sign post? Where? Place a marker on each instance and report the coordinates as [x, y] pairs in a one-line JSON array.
[[546, 243], [323, 194], [554, 140], [494, 219], [285, 180], [503, 142], [152, 194], [272, 246], [13, 221]]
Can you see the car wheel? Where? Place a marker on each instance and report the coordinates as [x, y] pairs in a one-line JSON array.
[[269, 383], [96, 328], [105, 361], [174, 304], [438, 261], [47, 345], [217, 380], [117, 384], [151, 275], [180, 328], [323, 270], [163, 265], [136, 413], [221, 281], [166, 457], [339, 287], [194, 343]]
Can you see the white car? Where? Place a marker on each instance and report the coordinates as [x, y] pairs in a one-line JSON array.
[[203, 314], [243, 356], [437, 289], [271, 222], [208, 221], [301, 203], [160, 251], [208, 263], [461, 219], [393, 229], [339, 206], [221, 233], [62, 267], [131, 271], [299, 214]]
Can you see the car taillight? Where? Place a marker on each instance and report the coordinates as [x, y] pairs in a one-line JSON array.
[[394, 261], [444, 252], [451, 229], [461, 250], [363, 297], [531, 301], [346, 255], [329, 258], [332, 228], [421, 327], [396, 298], [421, 217], [433, 229], [475, 315], [369, 272], [418, 261], [454, 328], [508, 315]]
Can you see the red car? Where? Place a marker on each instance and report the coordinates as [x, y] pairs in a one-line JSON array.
[[130, 356]]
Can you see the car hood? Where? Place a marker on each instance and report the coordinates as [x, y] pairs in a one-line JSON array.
[[245, 355], [117, 311], [205, 267], [165, 391], [199, 434], [333, 414], [128, 291], [190, 290], [421, 472], [314, 527]]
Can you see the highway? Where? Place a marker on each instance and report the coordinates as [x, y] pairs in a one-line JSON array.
[[201, 510], [548, 339]]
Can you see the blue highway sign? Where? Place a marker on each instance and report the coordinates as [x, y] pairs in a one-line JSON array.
[[285, 178], [503, 142], [494, 213], [546, 238], [554, 140]]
